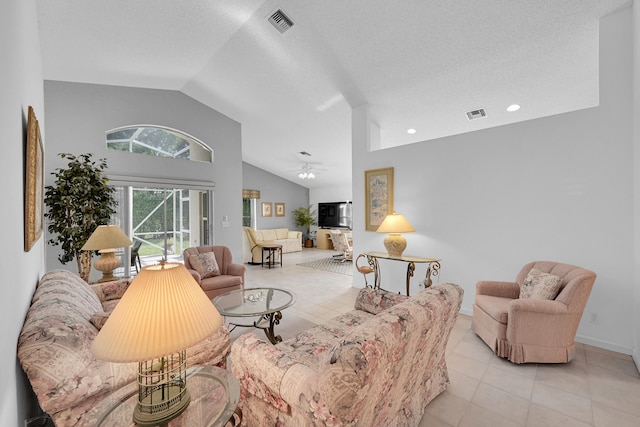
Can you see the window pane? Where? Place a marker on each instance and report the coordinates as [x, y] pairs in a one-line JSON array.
[[158, 141]]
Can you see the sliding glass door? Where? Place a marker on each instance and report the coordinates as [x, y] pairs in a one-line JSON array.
[[165, 220]]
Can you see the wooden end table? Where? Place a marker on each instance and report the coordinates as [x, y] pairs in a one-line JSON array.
[[272, 251]]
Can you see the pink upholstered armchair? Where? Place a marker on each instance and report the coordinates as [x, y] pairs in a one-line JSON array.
[[217, 276], [533, 329]]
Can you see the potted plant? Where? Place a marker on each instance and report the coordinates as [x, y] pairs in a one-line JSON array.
[[305, 217], [78, 201]]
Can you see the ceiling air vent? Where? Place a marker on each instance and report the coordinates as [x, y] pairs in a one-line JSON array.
[[279, 20], [476, 114]]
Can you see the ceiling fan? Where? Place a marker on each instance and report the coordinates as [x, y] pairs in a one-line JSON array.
[[306, 172]]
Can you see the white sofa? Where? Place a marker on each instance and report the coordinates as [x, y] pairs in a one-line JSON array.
[[252, 240]]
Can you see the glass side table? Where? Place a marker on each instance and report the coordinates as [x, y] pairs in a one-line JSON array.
[[215, 394], [265, 303]]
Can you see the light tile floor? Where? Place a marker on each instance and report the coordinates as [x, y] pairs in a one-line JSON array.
[[598, 388]]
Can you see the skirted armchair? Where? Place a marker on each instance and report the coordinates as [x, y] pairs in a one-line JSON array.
[[535, 318], [214, 269]]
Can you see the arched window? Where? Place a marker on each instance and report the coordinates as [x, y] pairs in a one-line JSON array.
[[158, 141]]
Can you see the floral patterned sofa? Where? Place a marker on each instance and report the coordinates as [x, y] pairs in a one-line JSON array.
[[378, 365], [54, 346]]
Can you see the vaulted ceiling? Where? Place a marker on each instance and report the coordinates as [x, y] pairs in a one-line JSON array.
[[418, 64]]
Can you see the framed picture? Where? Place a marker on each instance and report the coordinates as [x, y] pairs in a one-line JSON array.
[[279, 209], [378, 190], [266, 209], [34, 191]]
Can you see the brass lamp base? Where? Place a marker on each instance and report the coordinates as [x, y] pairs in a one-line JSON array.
[[107, 263], [395, 243], [172, 409]]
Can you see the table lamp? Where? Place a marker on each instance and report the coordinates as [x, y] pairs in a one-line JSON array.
[[105, 239], [163, 312], [394, 224]]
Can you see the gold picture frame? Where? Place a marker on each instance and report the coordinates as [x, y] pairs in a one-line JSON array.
[[266, 209], [378, 190], [34, 183], [279, 209]]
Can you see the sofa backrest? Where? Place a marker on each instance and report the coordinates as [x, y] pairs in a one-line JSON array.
[[384, 362], [53, 344], [575, 286]]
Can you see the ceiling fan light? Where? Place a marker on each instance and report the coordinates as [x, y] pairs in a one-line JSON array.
[[311, 175]]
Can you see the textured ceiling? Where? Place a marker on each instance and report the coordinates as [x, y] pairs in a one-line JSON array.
[[418, 64]]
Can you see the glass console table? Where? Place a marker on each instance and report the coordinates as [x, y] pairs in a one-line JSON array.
[[433, 267]]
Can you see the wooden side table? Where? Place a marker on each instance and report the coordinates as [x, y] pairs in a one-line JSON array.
[[272, 251], [215, 394]]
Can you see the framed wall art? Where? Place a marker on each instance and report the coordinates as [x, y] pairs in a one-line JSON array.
[[378, 190], [266, 209], [34, 182], [279, 209]]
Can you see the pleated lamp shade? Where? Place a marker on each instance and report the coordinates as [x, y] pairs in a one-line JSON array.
[[164, 311]]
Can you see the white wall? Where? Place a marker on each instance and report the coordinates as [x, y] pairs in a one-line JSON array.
[[636, 179], [274, 189], [78, 116], [20, 86], [557, 188]]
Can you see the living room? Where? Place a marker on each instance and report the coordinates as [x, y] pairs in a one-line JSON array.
[[561, 188]]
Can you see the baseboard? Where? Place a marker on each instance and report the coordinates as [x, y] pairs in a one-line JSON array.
[[605, 345]]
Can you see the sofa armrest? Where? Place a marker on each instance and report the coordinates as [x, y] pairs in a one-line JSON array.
[[376, 300], [295, 235], [196, 276], [108, 291], [529, 317], [236, 270], [498, 289], [269, 373]]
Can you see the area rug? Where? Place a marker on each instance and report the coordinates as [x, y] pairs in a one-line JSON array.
[[329, 264]]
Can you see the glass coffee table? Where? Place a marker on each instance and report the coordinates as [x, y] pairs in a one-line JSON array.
[[215, 394], [265, 303]]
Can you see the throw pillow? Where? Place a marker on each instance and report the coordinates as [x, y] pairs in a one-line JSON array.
[[99, 319], [540, 285], [205, 264]]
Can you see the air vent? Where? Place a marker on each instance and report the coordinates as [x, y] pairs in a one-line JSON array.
[[279, 20], [476, 114], [304, 153]]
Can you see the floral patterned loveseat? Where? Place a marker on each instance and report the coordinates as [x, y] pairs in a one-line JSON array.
[[54, 346], [378, 365]]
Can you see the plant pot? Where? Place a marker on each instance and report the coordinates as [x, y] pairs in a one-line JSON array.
[[308, 243]]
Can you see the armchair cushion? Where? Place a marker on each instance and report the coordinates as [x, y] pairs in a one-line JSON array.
[[540, 285], [205, 264]]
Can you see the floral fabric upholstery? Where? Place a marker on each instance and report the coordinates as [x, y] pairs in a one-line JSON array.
[[54, 347], [359, 369]]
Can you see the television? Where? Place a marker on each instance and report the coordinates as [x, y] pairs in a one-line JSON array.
[[334, 215]]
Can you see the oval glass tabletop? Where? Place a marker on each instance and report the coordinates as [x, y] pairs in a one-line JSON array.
[[253, 302]]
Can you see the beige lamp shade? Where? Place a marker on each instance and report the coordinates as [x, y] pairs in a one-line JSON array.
[[107, 237], [164, 311], [394, 224]]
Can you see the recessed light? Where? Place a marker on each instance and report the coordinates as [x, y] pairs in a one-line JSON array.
[[411, 131], [513, 107]]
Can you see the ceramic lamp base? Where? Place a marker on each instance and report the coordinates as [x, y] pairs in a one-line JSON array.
[[395, 243], [106, 264]]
